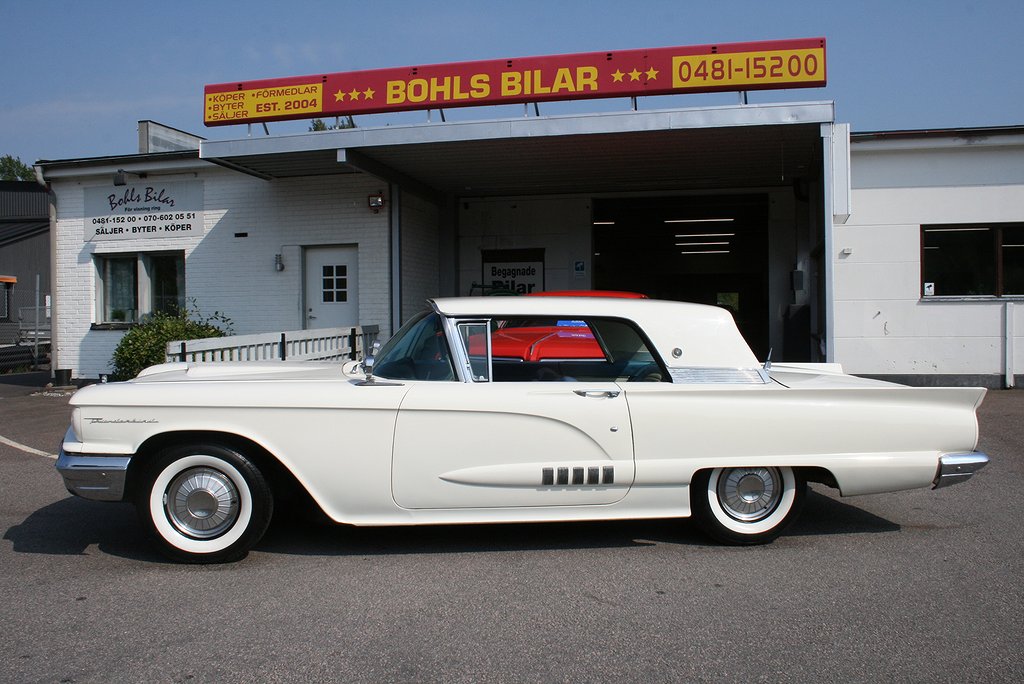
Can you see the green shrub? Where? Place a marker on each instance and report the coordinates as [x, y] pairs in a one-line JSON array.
[[145, 344]]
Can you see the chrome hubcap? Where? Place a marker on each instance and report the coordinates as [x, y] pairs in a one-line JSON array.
[[202, 503], [750, 494]]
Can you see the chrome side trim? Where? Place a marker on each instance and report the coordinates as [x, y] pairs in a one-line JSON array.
[[96, 477], [956, 468], [719, 376]]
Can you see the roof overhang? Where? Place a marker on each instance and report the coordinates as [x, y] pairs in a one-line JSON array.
[[151, 162], [739, 146]]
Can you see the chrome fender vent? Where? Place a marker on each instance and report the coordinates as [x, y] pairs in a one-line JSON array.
[[590, 475]]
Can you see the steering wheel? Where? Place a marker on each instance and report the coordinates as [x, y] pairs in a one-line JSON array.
[[650, 373]]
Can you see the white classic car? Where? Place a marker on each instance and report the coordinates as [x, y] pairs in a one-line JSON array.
[[511, 409]]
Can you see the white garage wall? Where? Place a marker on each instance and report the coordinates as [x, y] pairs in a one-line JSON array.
[[558, 224], [420, 253], [882, 324]]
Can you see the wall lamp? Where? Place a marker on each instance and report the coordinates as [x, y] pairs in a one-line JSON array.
[[278, 263], [376, 202], [120, 176]]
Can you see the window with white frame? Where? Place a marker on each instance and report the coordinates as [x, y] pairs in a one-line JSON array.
[[132, 285], [5, 301], [969, 260]]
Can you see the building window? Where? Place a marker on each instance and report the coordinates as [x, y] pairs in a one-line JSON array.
[[132, 286], [970, 260], [335, 285], [5, 302]]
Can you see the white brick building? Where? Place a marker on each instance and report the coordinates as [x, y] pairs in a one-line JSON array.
[[823, 250], [229, 266]]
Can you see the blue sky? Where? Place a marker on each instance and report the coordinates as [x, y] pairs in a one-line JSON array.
[[77, 76]]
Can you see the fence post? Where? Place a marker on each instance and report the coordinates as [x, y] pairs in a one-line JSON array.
[[183, 353], [284, 352], [353, 342]]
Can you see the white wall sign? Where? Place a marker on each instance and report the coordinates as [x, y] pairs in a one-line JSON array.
[[516, 270], [144, 210]]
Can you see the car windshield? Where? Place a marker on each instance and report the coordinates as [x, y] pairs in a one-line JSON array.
[[418, 351]]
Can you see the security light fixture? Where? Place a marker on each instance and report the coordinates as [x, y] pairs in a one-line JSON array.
[[376, 202], [120, 176]]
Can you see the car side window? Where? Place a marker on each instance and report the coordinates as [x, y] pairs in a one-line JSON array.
[[570, 348], [418, 351], [476, 341]]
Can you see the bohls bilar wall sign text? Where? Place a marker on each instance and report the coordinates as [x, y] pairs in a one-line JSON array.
[[144, 210]]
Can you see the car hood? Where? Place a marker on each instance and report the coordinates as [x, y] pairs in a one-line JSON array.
[[233, 384], [243, 370]]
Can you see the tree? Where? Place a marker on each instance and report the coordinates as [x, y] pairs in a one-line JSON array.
[[343, 122], [12, 169], [145, 344]]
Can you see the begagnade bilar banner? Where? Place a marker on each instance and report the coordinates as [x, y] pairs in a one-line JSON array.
[[761, 65]]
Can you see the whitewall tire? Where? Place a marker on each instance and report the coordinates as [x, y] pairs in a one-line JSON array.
[[751, 505], [205, 503]]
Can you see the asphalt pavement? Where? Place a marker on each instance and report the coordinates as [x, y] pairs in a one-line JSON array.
[[919, 586]]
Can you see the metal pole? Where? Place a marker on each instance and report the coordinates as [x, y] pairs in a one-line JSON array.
[[35, 346], [1008, 345]]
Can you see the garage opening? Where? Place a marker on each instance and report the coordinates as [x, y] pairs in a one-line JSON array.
[[710, 249]]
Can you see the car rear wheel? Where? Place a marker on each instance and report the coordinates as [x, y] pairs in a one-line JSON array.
[[205, 503], [746, 505]]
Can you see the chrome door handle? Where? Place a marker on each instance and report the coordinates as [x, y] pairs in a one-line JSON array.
[[594, 394]]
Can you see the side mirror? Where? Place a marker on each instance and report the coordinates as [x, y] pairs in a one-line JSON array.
[[370, 360]]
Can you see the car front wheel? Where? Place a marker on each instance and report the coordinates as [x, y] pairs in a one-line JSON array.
[[205, 503], [746, 505]]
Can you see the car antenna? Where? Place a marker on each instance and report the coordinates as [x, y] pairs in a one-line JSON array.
[[768, 360]]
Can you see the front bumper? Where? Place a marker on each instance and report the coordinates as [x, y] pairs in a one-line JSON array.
[[101, 478], [956, 468]]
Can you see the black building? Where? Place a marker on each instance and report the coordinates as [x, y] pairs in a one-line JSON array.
[[24, 256]]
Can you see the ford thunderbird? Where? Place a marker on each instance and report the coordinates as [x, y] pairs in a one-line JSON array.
[[511, 409]]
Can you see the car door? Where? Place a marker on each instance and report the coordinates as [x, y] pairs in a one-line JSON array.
[[505, 444]]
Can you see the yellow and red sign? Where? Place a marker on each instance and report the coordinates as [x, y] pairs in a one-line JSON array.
[[630, 73]]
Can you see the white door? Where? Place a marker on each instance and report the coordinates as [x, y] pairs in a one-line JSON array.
[[332, 291], [501, 444]]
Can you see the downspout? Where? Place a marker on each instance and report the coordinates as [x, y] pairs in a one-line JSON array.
[[54, 313], [395, 238], [827, 190]]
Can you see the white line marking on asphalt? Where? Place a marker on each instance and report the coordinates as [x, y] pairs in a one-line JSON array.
[[26, 449]]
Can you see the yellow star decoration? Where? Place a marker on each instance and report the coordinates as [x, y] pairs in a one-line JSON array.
[[634, 75], [368, 94], [652, 73], [339, 96], [354, 95], [617, 76]]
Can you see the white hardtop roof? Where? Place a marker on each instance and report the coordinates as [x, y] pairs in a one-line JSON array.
[[706, 335]]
